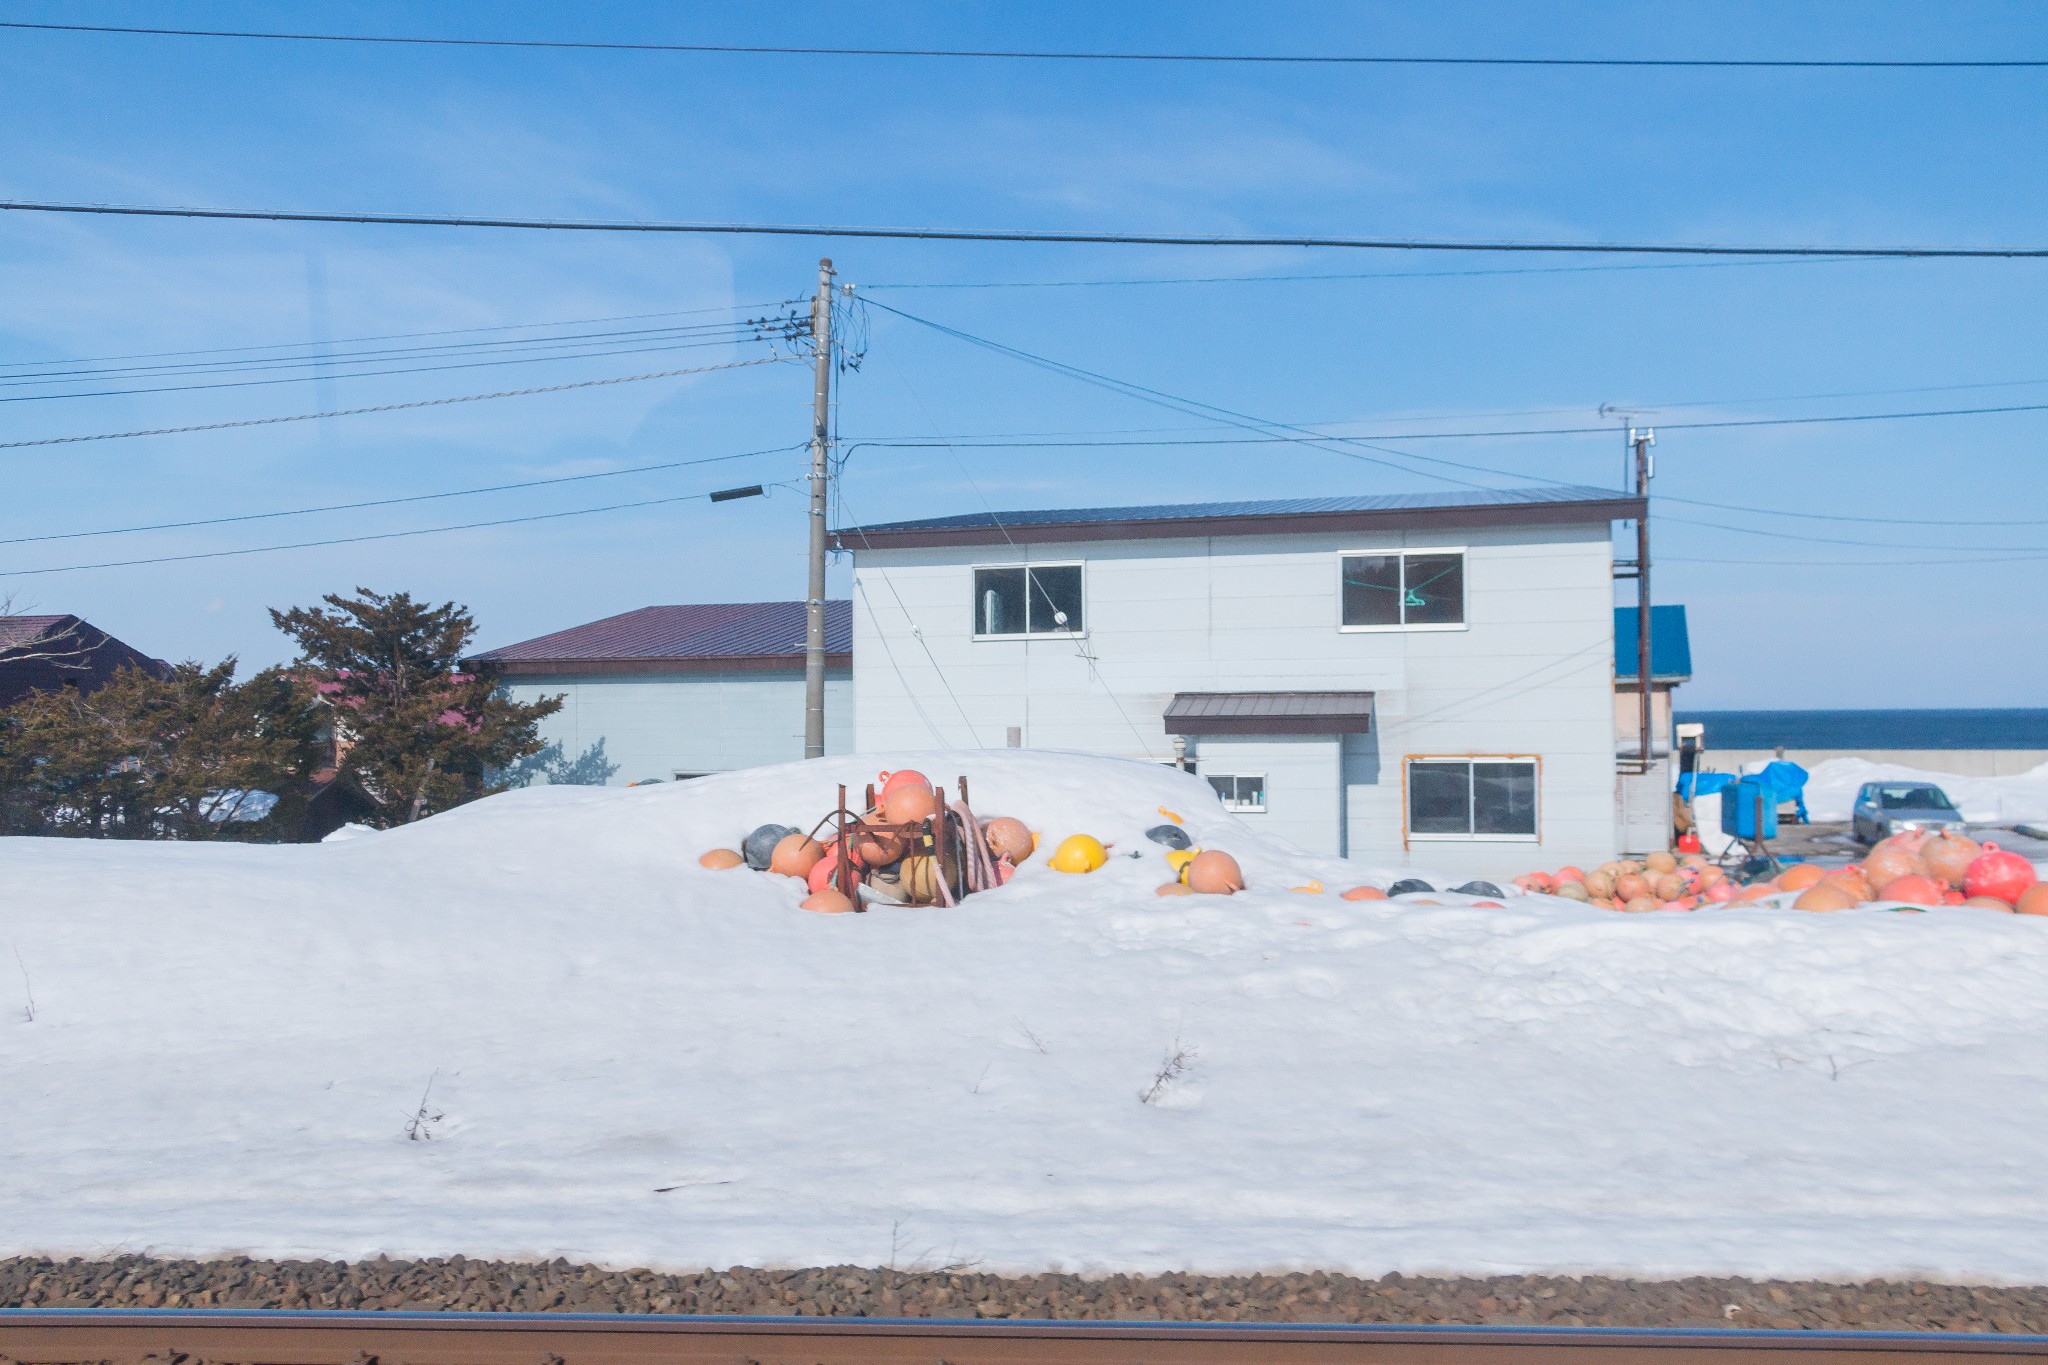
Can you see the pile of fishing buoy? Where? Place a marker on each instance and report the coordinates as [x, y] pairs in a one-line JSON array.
[[1917, 868], [1662, 881], [1920, 868]]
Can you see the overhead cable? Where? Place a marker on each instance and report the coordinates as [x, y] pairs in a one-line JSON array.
[[392, 336], [388, 407], [1366, 275], [1054, 55], [394, 502], [357, 540], [1034, 236], [365, 374]]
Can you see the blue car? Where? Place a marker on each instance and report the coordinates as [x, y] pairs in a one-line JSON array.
[[1885, 808]]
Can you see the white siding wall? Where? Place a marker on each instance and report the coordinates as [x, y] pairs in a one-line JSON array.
[[1531, 675], [656, 725], [1304, 785]]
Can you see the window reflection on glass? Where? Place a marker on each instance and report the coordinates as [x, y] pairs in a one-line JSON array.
[[1433, 589], [1239, 791], [1028, 601], [999, 596], [1404, 590], [1055, 599], [1472, 798], [1372, 590]]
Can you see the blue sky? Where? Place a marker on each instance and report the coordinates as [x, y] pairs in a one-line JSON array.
[[1810, 157]]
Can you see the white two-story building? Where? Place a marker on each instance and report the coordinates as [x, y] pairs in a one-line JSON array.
[[1402, 679]]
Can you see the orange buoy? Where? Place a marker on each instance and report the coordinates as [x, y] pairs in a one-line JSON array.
[[1215, 873], [1916, 889], [2033, 900], [1173, 889], [1800, 876], [1822, 897], [1987, 903], [795, 855], [1893, 858], [822, 871], [1640, 905], [1631, 886], [1364, 893], [830, 901], [1669, 887], [1948, 855], [910, 802], [1660, 862], [1995, 872], [1008, 838], [719, 859], [893, 782]]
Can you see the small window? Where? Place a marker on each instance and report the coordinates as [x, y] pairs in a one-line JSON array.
[[1039, 600], [1240, 791], [1472, 798], [1397, 590]]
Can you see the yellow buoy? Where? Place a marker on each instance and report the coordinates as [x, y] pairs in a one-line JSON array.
[[1079, 853]]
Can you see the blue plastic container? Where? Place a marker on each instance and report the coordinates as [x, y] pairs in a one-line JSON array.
[[1749, 810]]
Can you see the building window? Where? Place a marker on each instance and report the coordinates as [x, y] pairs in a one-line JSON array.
[[1472, 798], [1404, 590], [1240, 791], [1042, 599]]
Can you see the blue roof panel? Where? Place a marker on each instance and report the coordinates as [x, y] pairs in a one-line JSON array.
[[1670, 644]]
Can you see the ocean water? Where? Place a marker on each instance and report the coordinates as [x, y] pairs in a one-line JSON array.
[[2013, 728]]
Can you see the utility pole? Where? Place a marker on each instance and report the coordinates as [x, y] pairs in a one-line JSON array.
[[1642, 438], [821, 473]]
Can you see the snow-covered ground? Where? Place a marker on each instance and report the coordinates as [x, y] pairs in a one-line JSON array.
[[637, 1061], [1831, 790]]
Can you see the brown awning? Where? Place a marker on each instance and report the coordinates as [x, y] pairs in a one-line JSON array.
[[1269, 713]]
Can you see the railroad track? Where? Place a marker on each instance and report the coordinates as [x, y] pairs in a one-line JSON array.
[[116, 1336]]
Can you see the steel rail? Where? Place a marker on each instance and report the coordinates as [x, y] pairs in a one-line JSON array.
[[68, 1336]]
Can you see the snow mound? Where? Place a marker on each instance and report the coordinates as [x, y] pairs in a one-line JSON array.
[[535, 1027], [1831, 790]]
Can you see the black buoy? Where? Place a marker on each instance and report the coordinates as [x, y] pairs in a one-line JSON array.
[[1173, 836], [1480, 889], [1410, 886], [759, 847]]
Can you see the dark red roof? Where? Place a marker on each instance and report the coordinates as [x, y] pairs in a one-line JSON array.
[[691, 636], [41, 653]]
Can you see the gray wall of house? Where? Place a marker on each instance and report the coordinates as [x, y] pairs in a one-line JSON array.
[[658, 725], [1529, 674]]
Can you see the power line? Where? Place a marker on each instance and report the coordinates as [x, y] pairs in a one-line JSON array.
[[1368, 275], [18, 376], [390, 336], [1040, 236], [1502, 433], [367, 374], [387, 407], [1000, 54], [357, 540], [393, 502]]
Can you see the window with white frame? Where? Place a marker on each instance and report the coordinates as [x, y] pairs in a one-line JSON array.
[[1240, 791], [1410, 588], [1036, 599], [1472, 798]]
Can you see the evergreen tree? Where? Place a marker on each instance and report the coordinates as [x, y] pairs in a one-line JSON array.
[[190, 756], [415, 726]]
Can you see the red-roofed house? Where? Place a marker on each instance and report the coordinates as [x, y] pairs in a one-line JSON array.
[[44, 653], [680, 691]]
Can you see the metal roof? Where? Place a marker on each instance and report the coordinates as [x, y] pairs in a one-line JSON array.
[[22, 630], [1670, 644], [690, 636], [1485, 506], [1269, 713]]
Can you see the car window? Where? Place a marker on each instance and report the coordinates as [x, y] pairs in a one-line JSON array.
[[1912, 798]]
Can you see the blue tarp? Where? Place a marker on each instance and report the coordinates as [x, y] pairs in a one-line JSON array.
[[1788, 780], [1703, 784]]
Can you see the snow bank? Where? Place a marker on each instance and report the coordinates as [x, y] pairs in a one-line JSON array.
[[1831, 790], [637, 1061]]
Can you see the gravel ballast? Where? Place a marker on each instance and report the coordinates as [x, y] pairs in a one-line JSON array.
[[461, 1284]]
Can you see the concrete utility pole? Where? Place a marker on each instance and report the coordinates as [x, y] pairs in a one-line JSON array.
[[821, 473], [1642, 438]]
